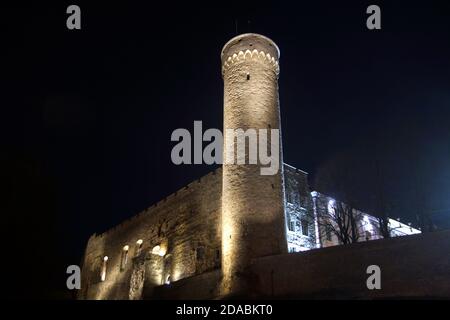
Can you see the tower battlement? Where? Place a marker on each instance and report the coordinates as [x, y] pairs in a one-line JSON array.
[[250, 46]]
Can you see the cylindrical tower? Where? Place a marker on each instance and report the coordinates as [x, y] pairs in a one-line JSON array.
[[253, 218]]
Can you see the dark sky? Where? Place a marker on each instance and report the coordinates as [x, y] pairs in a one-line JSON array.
[[88, 114]]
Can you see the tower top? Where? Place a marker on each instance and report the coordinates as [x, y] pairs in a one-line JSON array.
[[250, 41]]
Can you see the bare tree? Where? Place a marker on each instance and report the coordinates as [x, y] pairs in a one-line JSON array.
[[339, 217], [384, 228], [341, 220]]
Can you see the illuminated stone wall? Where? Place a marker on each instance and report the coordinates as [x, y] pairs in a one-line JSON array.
[[301, 233], [186, 226], [253, 221]]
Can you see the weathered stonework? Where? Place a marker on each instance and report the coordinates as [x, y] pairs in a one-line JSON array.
[[187, 224], [253, 222]]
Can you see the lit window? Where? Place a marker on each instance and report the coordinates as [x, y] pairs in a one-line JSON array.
[[158, 251], [103, 271], [124, 258], [139, 247], [331, 206]]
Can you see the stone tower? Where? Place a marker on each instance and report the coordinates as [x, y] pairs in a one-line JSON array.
[[253, 218]]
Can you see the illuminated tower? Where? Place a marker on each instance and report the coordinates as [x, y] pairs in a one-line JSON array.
[[253, 220]]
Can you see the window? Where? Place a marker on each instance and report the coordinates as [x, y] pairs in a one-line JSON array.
[[305, 227], [200, 254], [159, 251], [218, 254], [139, 247], [289, 197], [103, 271], [368, 235], [248, 76], [292, 225], [167, 279], [124, 258]]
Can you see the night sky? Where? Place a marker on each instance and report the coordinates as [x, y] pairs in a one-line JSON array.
[[88, 114]]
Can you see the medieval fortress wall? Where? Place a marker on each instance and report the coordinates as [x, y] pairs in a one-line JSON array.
[[187, 228], [176, 238]]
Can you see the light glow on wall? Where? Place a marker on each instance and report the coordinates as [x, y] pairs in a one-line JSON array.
[[103, 273], [158, 250], [331, 205], [367, 224]]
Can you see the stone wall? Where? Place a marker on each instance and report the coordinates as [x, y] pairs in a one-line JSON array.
[[186, 226], [297, 187], [411, 266], [301, 233], [200, 287]]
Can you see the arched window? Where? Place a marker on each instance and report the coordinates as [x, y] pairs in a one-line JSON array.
[[158, 251], [103, 270], [124, 259], [139, 247], [167, 279]]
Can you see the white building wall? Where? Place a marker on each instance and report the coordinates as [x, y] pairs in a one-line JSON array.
[[317, 237]]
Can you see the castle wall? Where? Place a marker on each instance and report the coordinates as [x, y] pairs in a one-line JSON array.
[[186, 226], [411, 266]]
